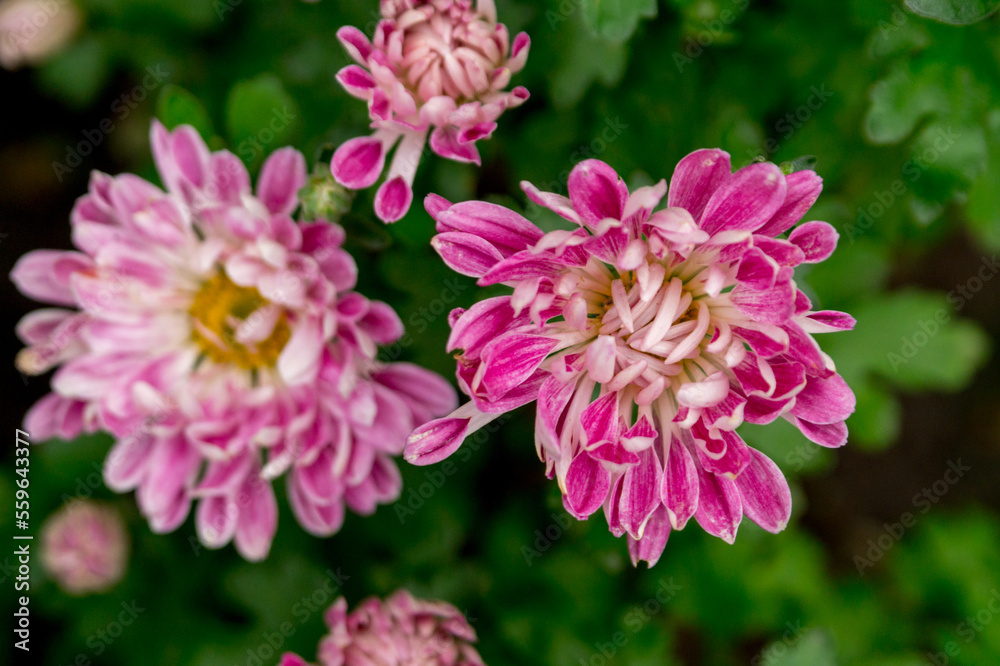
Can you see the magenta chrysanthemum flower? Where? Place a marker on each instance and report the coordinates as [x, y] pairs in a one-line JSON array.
[[400, 630], [437, 67], [647, 338], [222, 345], [84, 547]]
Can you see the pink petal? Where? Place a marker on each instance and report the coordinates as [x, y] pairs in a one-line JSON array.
[[696, 178], [720, 508], [553, 398], [587, 484], [358, 163], [465, 253], [710, 391], [502, 228], [654, 539], [521, 266], [356, 81], [757, 270], [803, 348], [764, 492], [512, 359], [215, 520], [600, 358], [746, 199], [597, 192], [181, 157], [258, 520], [436, 440], [445, 142], [393, 199], [817, 240], [725, 455], [600, 419], [298, 362], [640, 493], [767, 306], [44, 275], [803, 190], [382, 323], [832, 435], [680, 488], [557, 203], [355, 43], [281, 178], [824, 401], [480, 324], [780, 250], [826, 321]]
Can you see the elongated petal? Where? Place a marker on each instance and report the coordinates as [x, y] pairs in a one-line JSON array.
[[258, 521], [680, 488], [640, 493], [512, 359], [746, 199], [281, 178], [587, 484], [831, 435], [600, 419], [817, 240], [764, 492], [803, 190], [597, 192], [504, 229], [720, 508], [654, 539], [824, 401], [44, 275], [465, 253], [696, 178], [358, 163]]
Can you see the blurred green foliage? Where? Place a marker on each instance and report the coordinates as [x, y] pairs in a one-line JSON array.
[[902, 113]]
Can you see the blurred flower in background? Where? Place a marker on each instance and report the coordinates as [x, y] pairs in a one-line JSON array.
[[85, 547], [399, 630], [438, 66], [647, 338], [222, 345], [33, 30]]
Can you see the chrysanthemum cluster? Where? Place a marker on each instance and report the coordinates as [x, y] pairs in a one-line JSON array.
[[647, 337], [400, 630], [222, 344], [85, 547], [434, 67]]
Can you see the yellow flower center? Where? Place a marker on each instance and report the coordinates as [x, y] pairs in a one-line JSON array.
[[228, 323]]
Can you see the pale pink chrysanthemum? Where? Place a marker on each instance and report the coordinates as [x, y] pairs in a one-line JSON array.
[[646, 339], [31, 31], [222, 345], [84, 547], [437, 67], [399, 631]]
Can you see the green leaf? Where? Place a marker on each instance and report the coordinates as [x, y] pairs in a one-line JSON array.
[[813, 649], [586, 59], [260, 116], [616, 20], [77, 74], [912, 339], [176, 106], [954, 12]]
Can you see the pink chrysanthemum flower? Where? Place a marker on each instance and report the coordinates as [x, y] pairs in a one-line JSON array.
[[437, 67], [84, 547], [646, 339], [401, 630], [222, 345]]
